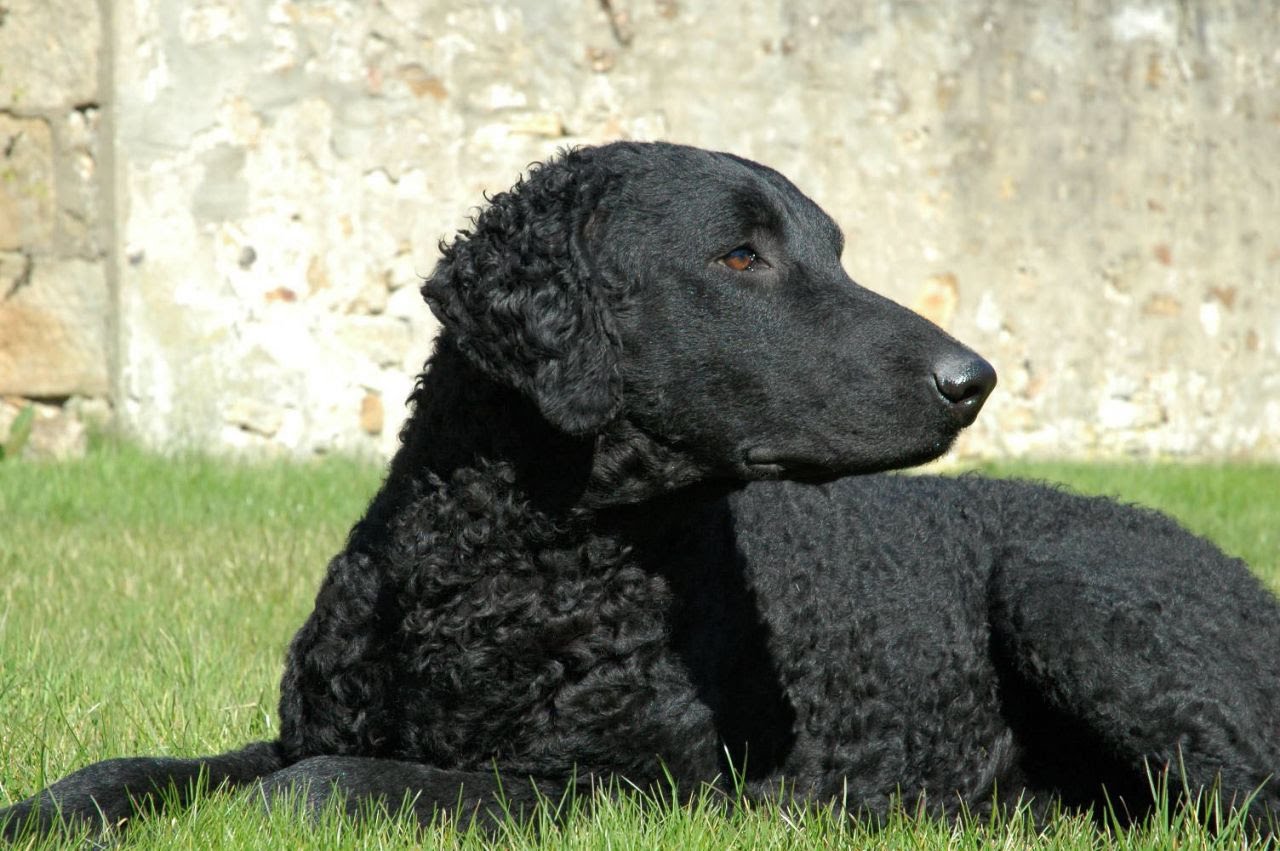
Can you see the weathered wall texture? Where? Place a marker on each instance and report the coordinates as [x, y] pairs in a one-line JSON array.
[[220, 228]]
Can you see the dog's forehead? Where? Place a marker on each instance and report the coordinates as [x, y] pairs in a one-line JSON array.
[[763, 187], [724, 192]]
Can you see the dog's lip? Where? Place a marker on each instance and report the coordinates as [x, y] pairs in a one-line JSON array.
[[771, 463], [764, 458]]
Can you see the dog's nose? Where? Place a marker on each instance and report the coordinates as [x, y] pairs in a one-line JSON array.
[[965, 383]]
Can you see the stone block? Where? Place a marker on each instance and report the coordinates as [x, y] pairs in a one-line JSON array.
[[53, 327], [79, 211], [56, 431], [381, 340], [372, 415], [48, 53], [27, 194], [253, 415]]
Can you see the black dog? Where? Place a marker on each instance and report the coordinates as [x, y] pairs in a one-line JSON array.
[[567, 577]]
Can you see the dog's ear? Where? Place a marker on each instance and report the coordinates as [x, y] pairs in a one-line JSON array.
[[520, 297]]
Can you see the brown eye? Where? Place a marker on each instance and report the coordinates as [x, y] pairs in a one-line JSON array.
[[740, 259]]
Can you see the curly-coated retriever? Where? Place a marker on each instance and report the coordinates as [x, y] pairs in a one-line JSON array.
[[633, 531]]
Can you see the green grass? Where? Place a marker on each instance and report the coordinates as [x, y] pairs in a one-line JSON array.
[[146, 603]]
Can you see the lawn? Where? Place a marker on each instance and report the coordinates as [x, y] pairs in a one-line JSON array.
[[146, 603]]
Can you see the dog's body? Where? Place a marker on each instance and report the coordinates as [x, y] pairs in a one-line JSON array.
[[565, 576]]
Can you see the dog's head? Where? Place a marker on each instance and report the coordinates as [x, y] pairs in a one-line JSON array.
[[696, 300]]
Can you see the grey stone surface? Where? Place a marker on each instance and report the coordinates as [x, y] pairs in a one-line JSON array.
[[27, 185], [48, 54], [81, 226], [1084, 192]]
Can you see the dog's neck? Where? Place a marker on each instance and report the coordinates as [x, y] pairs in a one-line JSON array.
[[463, 421]]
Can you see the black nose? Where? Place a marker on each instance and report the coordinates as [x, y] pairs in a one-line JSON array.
[[965, 383]]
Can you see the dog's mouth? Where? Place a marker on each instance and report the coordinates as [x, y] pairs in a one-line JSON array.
[[765, 463], [768, 463]]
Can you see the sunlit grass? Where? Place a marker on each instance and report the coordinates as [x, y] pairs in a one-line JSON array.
[[146, 604]]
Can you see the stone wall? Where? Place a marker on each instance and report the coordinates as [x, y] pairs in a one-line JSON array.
[[214, 214], [55, 301]]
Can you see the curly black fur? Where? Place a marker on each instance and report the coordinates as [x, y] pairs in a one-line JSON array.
[[567, 576]]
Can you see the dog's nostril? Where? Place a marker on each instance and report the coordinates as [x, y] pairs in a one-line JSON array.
[[966, 384]]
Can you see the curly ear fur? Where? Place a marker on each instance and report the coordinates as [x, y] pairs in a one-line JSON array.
[[517, 293]]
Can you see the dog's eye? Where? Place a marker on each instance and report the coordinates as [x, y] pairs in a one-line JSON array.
[[742, 259]]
